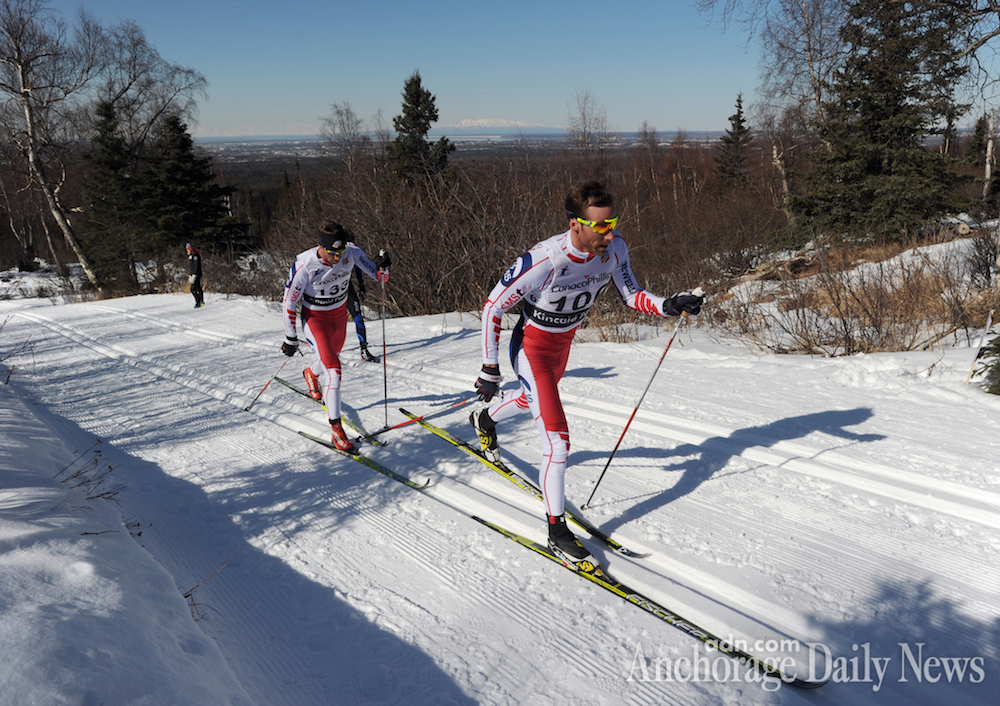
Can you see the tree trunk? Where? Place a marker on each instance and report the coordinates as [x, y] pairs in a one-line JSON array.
[[988, 170], [778, 159], [37, 170]]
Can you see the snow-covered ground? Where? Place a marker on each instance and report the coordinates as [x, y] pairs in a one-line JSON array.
[[851, 503]]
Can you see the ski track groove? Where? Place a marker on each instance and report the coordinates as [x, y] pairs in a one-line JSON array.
[[960, 505], [671, 568], [531, 619], [981, 506], [172, 538], [277, 668], [177, 327], [743, 490], [430, 545]]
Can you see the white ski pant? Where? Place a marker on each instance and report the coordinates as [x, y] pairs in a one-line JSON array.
[[540, 361]]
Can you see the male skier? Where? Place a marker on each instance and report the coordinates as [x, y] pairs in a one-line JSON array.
[[557, 282], [319, 281]]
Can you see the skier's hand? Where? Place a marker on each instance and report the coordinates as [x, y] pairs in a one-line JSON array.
[[488, 382], [684, 303], [290, 347], [382, 262], [192, 278]]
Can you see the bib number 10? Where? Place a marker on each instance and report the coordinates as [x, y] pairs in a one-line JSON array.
[[580, 301]]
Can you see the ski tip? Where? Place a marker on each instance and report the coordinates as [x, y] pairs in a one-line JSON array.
[[634, 555], [803, 684]]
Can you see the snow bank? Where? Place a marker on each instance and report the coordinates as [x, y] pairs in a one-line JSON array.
[[86, 615]]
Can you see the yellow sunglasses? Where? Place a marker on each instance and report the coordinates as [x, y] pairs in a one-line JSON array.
[[600, 227]]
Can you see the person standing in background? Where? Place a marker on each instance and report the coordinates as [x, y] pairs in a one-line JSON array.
[[194, 275]]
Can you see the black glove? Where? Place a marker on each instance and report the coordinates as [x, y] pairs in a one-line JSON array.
[[488, 382], [382, 260], [290, 347], [685, 302]]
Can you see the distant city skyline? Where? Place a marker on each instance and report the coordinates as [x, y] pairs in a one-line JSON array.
[[276, 68]]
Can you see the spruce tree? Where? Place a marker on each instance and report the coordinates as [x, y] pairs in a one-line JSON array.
[[875, 177], [975, 150], [110, 227], [731, 156], [411, 155], [989, 366], [180, 196]]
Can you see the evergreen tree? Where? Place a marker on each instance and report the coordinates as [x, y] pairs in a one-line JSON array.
[[110, 226], [975, 151], [410, 154], [877, 179], [990, 366], [731, 156], [180, 197]]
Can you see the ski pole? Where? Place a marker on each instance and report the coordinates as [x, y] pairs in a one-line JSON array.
[[680, 323], [247, 408], [982, 340], [385, 370], [431, 415]]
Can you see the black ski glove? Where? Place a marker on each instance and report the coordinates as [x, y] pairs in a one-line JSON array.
[[290, 347], [382, 262], [685, 302], [488, 382]]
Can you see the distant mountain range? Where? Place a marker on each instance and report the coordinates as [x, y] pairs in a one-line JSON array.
[[467, 130], [496, 127]]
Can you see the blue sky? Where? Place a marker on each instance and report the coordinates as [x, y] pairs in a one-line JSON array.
[[276, 66]]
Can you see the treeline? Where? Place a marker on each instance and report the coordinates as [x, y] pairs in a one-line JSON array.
[[876, 162]]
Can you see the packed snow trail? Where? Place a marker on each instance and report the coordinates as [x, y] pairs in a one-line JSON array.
[[848, 502]]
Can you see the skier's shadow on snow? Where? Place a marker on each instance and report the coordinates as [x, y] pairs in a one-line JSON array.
[[396, 347], [704, 460], [591, 373], [273, 611]]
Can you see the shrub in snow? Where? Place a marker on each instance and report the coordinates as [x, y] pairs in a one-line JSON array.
[[990, 366]]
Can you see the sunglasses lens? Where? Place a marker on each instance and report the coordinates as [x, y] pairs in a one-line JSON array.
[[601, 227]]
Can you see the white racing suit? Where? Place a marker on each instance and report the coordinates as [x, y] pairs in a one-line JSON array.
[[557, 285], [321, 290]]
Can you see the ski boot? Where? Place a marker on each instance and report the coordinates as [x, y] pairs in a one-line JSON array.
[[567, 547], [340, 438], [487, 430], [312, 384]]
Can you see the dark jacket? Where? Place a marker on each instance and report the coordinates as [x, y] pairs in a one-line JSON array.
[[194, 263]]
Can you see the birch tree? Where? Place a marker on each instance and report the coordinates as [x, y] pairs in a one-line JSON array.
[[43, 73], [51, 79]]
